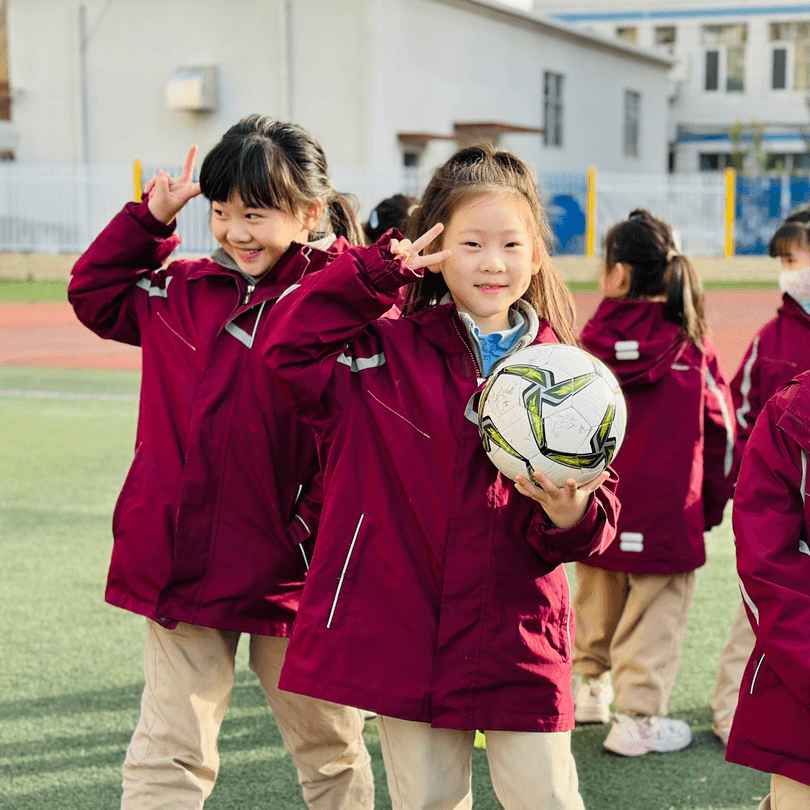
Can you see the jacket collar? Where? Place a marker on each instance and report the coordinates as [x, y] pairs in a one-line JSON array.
[[793, 309], [451, 331]]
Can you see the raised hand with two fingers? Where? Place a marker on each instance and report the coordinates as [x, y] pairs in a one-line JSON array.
[[564, 505], [167, 195], [408, 252]]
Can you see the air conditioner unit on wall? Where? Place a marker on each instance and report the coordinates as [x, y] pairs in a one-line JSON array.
[[192, 88]]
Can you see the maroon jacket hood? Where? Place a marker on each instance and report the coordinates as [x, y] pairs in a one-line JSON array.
[[634, 339]]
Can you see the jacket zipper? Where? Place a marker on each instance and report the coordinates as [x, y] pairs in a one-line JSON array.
[[343, 572], [756, 672], [472, 354], [248, 293]]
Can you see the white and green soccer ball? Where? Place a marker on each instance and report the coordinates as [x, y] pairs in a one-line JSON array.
[[553, 408]]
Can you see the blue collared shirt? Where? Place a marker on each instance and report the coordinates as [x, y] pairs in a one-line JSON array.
[[496, 344]]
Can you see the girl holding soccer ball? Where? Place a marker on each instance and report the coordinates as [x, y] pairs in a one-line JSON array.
[[436, 596], [675, 477]]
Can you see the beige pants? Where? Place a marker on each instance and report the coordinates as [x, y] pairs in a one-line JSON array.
[[733, 661], [786, 795], [633, 626], [172, 760], [431, 768]]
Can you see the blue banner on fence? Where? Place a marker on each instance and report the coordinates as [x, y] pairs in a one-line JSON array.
[[565, 195], [762, 204]]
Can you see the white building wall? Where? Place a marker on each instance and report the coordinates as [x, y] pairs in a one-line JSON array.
[[361, 72], [781, 112], [136, 46]]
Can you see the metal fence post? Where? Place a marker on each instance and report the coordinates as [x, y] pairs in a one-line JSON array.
[[731, 206], [137, 186], [590, 235]]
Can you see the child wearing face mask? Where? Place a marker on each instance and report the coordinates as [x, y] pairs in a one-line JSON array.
[[779, 352]]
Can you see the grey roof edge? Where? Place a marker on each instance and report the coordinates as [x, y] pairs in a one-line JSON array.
[[560, 30]]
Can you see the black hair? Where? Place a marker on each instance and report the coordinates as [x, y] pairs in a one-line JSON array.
[[657, 268], [272, 164], [392, 212], [793, 232]]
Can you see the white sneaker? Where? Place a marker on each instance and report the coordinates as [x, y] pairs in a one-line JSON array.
[[592, 698], [636, 736]]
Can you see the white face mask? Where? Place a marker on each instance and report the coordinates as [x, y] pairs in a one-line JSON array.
[[796, 283]]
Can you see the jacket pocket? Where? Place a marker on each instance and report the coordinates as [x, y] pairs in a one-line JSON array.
[[348, 570], [756, 673], [129, 490]]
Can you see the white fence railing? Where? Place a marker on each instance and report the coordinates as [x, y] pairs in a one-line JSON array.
[[694, 204], [59, 209]]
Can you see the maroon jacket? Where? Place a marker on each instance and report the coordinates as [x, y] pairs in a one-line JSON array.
[[675, 465], [437, 591], [208, 522], [779, 352], [771, 730]]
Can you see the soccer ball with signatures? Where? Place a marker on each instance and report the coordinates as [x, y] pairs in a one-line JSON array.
[[554, 408]]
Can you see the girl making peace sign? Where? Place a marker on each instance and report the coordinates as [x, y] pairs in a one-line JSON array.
[[437, 596], [214, 524]]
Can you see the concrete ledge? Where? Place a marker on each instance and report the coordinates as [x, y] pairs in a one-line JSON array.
[[57, 266]]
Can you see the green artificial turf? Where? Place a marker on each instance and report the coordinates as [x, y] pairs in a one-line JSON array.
[[15, 291], [71, 678]]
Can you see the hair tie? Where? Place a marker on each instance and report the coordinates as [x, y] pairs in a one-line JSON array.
[[671, 254]]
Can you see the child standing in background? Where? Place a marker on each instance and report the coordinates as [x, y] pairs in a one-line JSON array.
[[437, 595], [213, 526], [771, 530], [779, 352], [632, 600]]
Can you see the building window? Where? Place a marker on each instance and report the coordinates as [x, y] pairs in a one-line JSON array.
[[779, 69], [712, 71], [632, 115], [791, 43], [714, 161], [665, 35], [801, 162], [552, 109], [627, 34], [725, 57]]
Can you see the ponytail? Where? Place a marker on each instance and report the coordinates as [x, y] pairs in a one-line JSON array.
[[645, 244], [684, 304], [341, 215]]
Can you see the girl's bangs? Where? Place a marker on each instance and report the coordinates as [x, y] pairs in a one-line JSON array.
[[256, 177], [788, 236]]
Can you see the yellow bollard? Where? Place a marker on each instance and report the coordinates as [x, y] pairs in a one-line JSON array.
[[137, 188], [590, 220], [731, 206]]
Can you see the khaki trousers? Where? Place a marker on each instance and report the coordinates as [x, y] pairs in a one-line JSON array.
[[786, 795], [173, 761], [633, 626], [733, 660], [431, 768]]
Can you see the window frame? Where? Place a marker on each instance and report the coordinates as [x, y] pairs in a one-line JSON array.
[[553, 109], [632, 126]]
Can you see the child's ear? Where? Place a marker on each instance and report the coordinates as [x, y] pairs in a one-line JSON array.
[[623, 277], [312, 215], [538, 256]]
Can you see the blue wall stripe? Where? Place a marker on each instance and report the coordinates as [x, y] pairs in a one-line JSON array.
[[775, 136], [772, 11]]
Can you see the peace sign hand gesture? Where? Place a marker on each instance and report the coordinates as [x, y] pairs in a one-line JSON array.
[[408, 252], [167, 195]]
